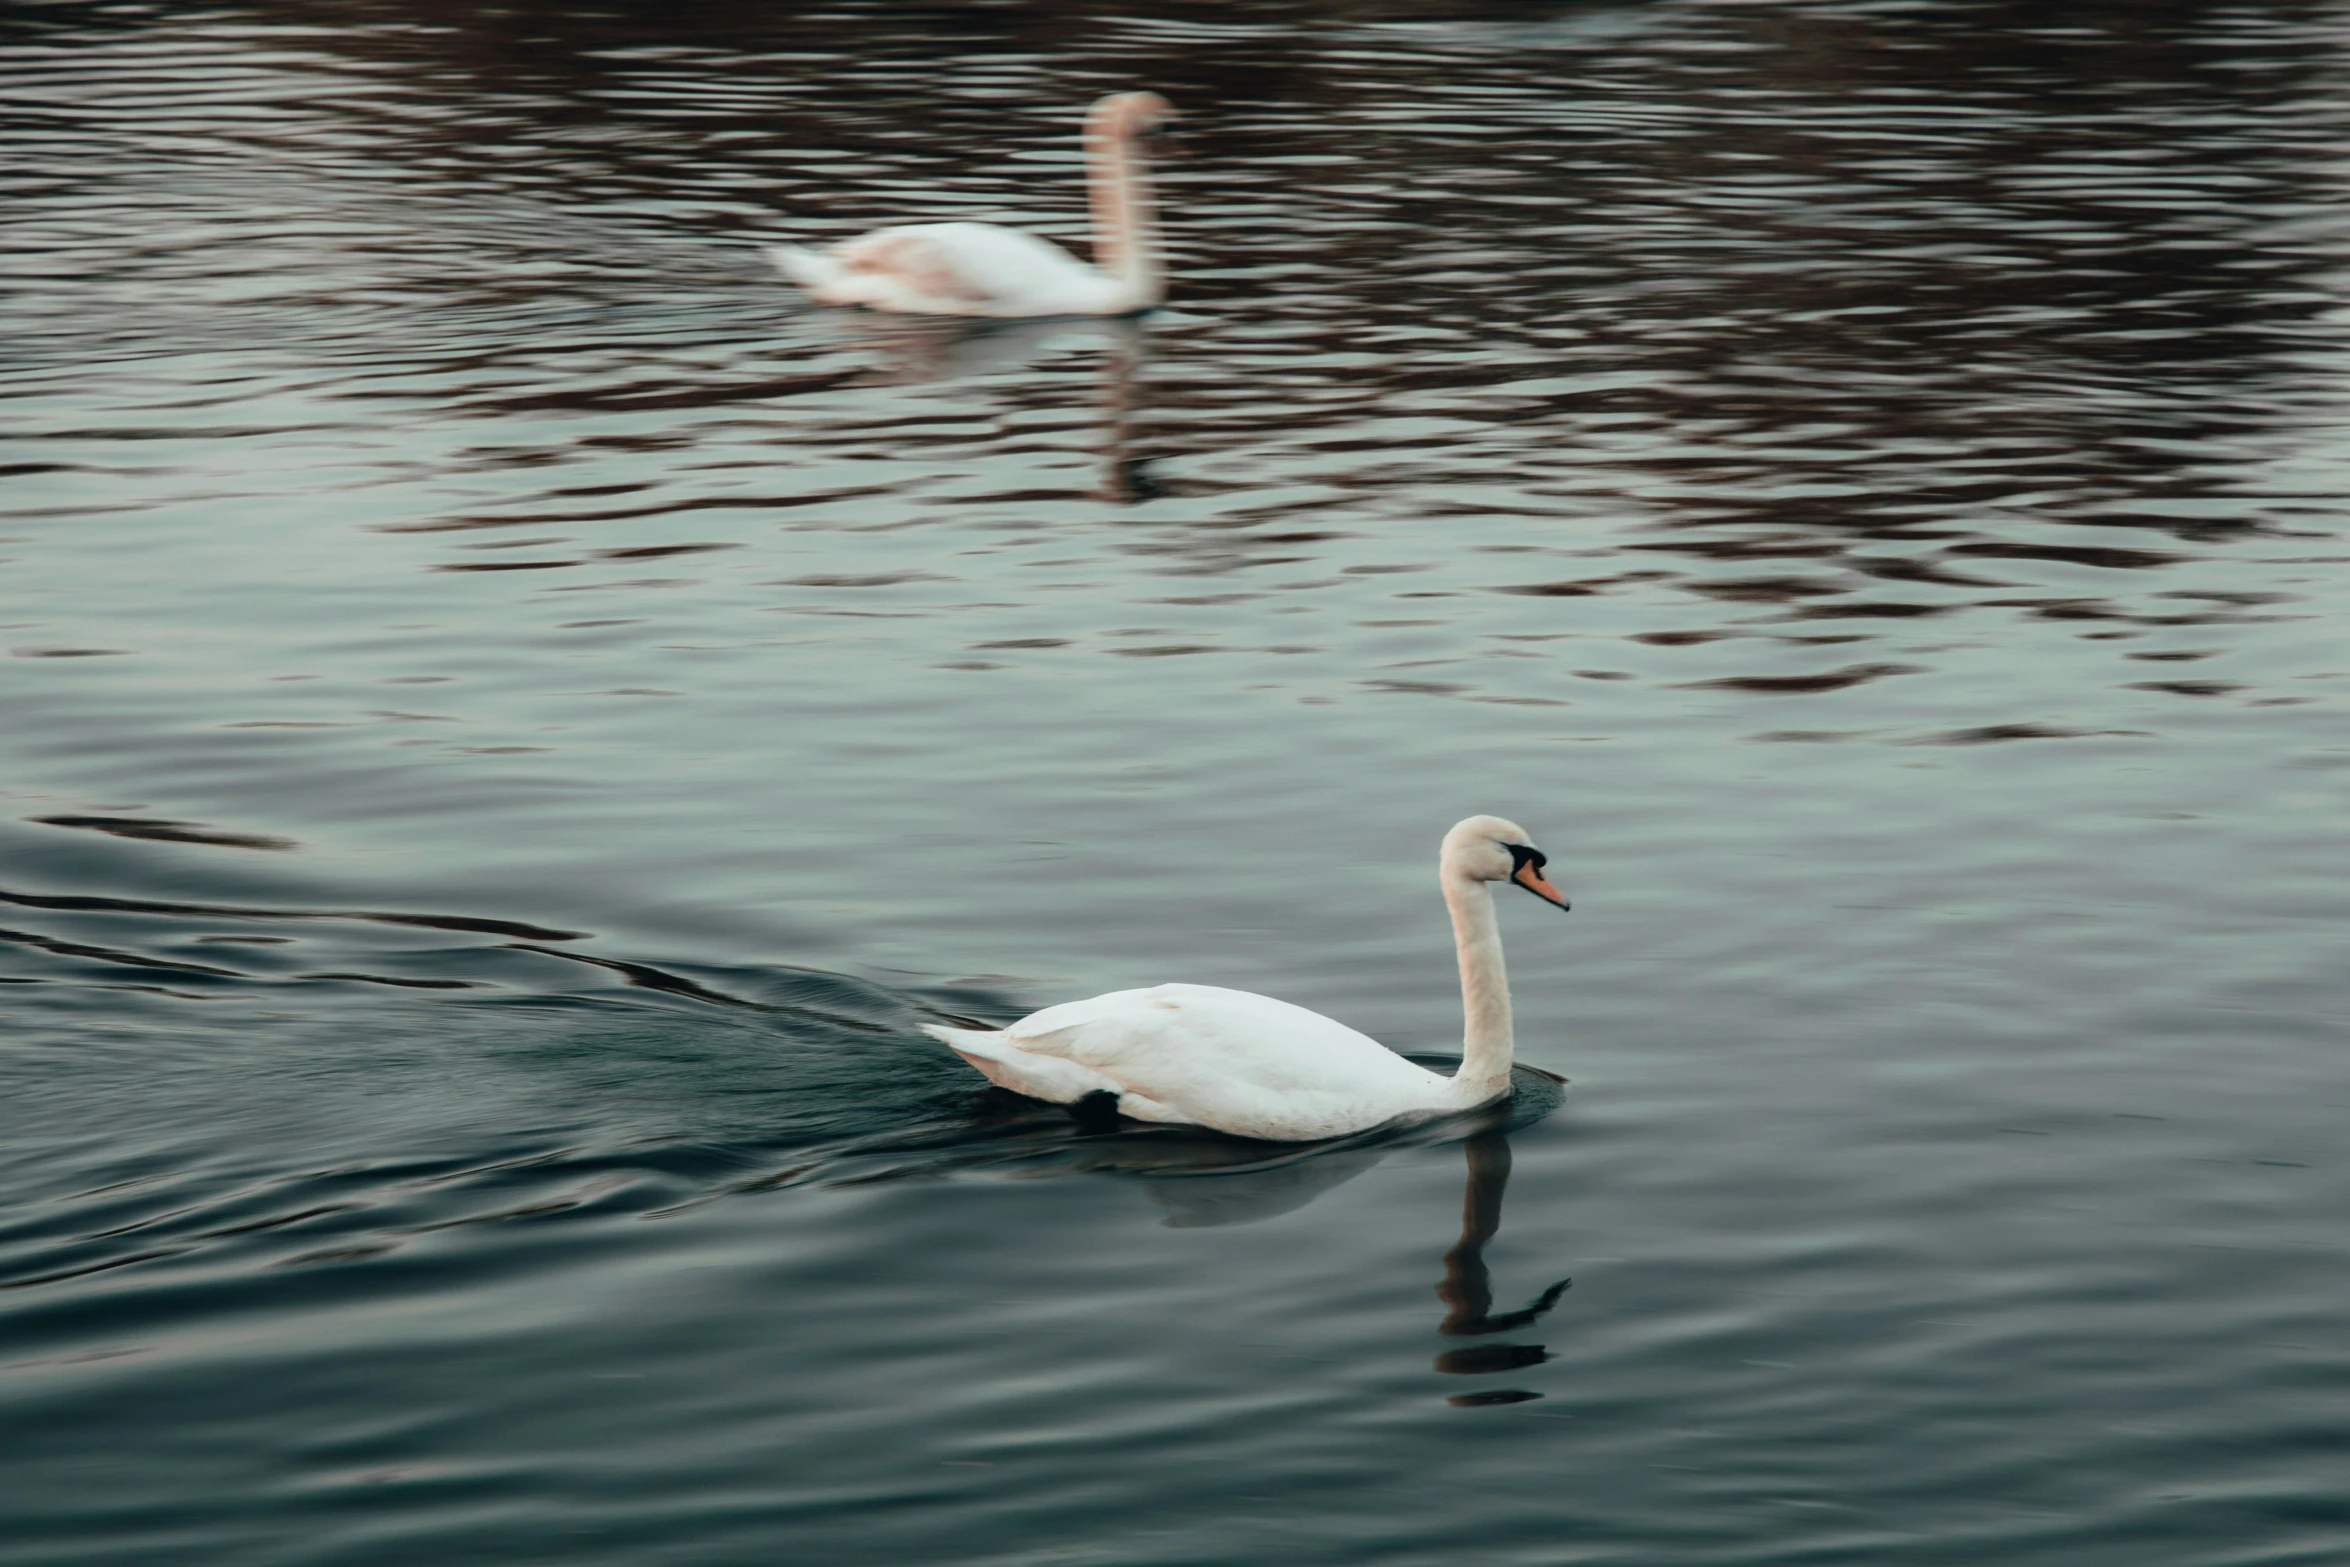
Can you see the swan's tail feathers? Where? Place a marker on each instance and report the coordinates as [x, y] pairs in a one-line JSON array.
[[1008, 1066], [813, 270], [978, 1041]]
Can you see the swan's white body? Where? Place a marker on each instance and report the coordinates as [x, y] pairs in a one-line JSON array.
[[1257, 1067], [980, 269]]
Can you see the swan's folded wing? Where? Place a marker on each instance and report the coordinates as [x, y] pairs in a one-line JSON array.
[[973, 269], [918, 259], [892, 269], [1224, 1057]]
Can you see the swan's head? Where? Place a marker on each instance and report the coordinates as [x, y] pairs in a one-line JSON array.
[[1487, 848], [1129, 116]]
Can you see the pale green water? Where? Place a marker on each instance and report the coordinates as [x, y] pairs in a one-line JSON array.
[[1863, 483]]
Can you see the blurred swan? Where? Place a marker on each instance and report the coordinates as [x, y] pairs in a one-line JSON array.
[[981, 269], [1250, 1065]]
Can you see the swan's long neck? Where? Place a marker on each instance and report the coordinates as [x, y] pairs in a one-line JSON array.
[[1125, 221], [1486, 1042]]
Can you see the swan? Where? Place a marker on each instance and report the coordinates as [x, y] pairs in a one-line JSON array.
[[981, 269], [1198, 1055]]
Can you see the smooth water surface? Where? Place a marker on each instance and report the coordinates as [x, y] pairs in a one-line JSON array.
[[511, 719]]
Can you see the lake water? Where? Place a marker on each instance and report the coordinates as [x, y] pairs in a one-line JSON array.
[[513, 717]]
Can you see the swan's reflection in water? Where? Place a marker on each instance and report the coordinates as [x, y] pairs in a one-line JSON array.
[[1467, 1286], [1467, 1290], [1126, 475], [1199, 1180], [1195, 1178], [914, 350]]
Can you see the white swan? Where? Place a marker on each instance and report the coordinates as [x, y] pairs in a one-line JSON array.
[[980, 269], [1256, 1067]]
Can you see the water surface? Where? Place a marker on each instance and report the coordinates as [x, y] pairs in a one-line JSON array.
[[511, 719]]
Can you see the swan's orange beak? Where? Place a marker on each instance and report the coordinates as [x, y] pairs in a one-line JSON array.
[[1529, 876]]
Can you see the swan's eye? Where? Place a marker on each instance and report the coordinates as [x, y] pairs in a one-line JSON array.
[[1525, 854]]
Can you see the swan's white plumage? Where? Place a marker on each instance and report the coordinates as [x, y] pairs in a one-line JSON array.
[[982, 269], [954, 269], [1259, 1067], [1007, 1065]]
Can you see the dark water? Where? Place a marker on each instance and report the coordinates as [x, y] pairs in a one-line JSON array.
[[513, 719]]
